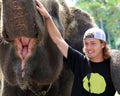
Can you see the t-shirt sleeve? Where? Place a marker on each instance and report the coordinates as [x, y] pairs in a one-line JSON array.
[[75, 59]]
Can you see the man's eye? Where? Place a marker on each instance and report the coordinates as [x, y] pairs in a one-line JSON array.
[[93, 43], [86, 43]]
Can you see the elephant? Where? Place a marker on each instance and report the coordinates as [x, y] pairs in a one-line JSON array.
[[30, 62], [115, 68]]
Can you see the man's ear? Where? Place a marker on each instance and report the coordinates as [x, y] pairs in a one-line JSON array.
[[103, 44]]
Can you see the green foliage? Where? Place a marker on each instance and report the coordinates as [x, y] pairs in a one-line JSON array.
[[107, 15]]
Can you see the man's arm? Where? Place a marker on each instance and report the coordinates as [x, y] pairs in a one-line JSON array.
[[53, 30]]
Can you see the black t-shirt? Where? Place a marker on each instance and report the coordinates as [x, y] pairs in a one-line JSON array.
[[100, 79]]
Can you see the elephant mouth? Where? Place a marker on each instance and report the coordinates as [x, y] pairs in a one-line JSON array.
[[24, 47]]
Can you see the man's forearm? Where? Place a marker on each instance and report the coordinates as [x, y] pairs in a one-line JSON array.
[[52, 30], [56, 36]]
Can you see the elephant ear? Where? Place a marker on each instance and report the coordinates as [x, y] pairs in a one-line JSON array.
[[79, 22], [115, 69]]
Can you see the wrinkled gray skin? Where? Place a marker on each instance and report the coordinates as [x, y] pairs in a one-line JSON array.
[[29, 60], [115, 69]]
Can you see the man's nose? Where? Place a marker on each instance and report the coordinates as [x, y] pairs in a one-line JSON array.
[[88, 47]]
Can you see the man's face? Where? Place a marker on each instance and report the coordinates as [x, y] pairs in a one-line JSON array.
[[93, 48]]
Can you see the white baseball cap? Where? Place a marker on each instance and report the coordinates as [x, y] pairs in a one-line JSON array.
[[95, 33]]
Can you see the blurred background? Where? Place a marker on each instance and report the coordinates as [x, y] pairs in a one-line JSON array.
[[106, 14]]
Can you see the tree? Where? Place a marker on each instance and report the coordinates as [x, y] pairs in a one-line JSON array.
[[107, 16]]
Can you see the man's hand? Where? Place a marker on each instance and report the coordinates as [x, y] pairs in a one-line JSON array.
[[42, 10]]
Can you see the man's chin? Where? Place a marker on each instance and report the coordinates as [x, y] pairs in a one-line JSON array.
[[90, 57]]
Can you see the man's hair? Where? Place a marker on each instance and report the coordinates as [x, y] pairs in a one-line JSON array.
[[106, 52]]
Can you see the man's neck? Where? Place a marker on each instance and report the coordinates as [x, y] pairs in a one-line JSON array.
[[99, 59]]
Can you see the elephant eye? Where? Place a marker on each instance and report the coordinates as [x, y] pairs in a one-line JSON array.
[[5, 35], [1, 40], [54, 11]]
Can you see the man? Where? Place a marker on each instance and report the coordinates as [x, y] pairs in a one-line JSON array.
[[91, 72]]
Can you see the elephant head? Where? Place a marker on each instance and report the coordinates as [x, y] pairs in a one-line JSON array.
[[28, 55]]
